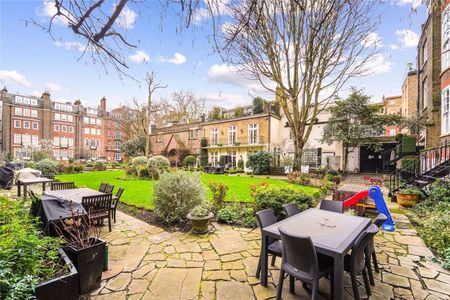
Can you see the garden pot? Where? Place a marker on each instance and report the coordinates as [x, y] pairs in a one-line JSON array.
[[89, 263], [407, 200], [62, 287], [200, 225]]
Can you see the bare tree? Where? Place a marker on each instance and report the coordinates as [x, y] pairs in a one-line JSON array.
[[182, 105], [302, 51], [152, 85]]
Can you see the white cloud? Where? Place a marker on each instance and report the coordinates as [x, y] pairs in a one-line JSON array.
[[394, 46], [139, 56], [377, 64], [372, 40], [225, 99], [177, 59], [127, 18], [71, 45], [219, 9], [407, 38], [13, 77], [36, 93], [413, 3], [52, 87], [228, 74]]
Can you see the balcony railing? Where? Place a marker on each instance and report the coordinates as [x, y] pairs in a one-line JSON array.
[[238, 142]]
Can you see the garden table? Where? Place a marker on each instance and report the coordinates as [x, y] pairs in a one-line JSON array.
[[26, 181], [60, 204], [332, 234]]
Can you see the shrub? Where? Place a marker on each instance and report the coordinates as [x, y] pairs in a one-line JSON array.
[[219, 193], [138, 161], [157, 165], [30, 164], [26, 257], [259, 162], [142, 172], [228, 214], [189, 161], [47, 166], [240, 164], [77, 167], [274, 198], [201, 210], [175, 194], [249, 217]]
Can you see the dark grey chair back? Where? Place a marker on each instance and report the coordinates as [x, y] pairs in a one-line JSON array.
[[379, 220], [57, 186], [119, 193], [291, 209], [102, 187], [97, 204], [299, 253], [266, 218], [336, 206], [357, 259], [109, 189]]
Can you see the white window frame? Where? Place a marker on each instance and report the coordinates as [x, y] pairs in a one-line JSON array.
[[26, 124], [26, 112], [445, 108], [56, 127], [18, 111], [17, 138], [70, 129], [57, 117], [35, 125], [17, 124], [253, 132], [232, 133], [214, 136], [34, 113], [425, 92]]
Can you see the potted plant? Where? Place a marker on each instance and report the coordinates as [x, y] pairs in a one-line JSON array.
[[408, 197], [63, 286], [85, 250], [200, 217]]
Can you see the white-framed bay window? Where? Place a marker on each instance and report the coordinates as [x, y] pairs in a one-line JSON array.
[[445, 122], [445, 38]]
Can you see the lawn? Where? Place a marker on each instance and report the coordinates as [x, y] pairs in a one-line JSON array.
[[140, 192]]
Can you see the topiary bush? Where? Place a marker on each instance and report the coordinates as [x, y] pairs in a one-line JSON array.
[[189, 161], [175, 194], [274, 198], [47, 166], [157, 165], [138, 161], [240, 164]]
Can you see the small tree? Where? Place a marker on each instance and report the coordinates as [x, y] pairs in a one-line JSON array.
[[238, 112], [134, 146], [258, 105], [203, 152], [215, 114], [189, 161], [355, 121]]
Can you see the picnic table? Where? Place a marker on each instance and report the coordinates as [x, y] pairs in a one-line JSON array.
[[332, 234], [346, 191], [26, 181], [59, 205]]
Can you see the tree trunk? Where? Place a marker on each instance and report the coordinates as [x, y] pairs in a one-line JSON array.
[[298, 152], [345, 157]]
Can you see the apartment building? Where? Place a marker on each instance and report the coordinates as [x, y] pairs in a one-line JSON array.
[[392, 105], [429, 76], [69, 129]]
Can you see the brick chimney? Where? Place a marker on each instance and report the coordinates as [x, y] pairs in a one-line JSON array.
[[103, 104], [3, 93]]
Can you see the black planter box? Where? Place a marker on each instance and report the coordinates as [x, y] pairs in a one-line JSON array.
[[89, 263], [62, 287]]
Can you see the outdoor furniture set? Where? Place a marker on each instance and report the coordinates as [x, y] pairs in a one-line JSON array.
[[316, 243]]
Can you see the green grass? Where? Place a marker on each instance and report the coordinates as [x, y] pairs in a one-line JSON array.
[[140, 192]]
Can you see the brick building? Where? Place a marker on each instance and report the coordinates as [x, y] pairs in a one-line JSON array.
[[409, 95], [445, 74], [392, 105], [72, 130], [429, 76]]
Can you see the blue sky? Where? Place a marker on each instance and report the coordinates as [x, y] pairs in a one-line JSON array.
[[31, 61]]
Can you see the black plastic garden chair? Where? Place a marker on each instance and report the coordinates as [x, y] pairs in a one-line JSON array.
[[98, 208], [356, 262], [336, 206], [291, 209], [57, 186], [266, 218], [379, 220], [115, 202], [300, 261], [109, 189], [102, 187]]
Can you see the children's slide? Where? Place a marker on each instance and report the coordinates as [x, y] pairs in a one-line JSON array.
[[374, 192]]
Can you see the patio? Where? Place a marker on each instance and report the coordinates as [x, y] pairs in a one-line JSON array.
[[163, 265]]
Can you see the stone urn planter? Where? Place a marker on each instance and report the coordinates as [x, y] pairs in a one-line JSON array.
[[200, 225], [407, 197]]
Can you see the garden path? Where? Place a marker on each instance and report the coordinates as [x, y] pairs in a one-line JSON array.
[[221, 265]]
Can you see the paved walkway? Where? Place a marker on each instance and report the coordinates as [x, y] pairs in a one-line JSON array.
[[162, 265]]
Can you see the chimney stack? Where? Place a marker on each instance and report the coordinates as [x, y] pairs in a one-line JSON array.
[[103, 104]]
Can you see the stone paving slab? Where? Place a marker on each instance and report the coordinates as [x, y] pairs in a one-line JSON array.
[[222, 265]]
